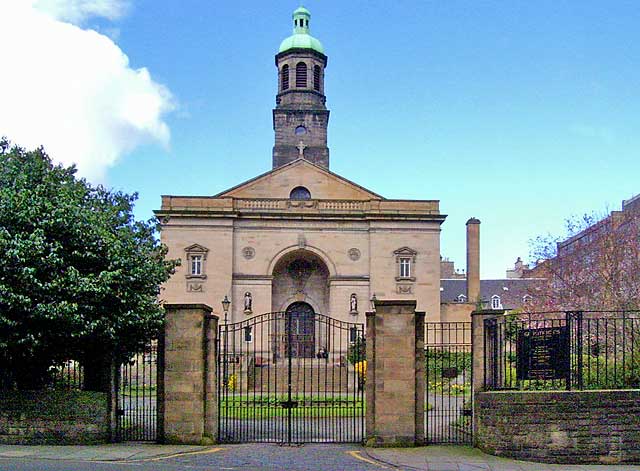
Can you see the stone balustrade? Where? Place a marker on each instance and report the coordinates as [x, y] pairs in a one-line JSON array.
[[208, 205]]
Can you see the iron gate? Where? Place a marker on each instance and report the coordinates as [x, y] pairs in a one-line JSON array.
[[448, 382], [291, 377], [137, 397]]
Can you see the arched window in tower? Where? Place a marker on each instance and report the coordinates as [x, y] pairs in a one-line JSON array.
[[300, 193], [301, 75], [285, 77], [316, 78]]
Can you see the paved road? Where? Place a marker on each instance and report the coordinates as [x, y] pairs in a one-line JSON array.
[[266, 457], [258, 457]]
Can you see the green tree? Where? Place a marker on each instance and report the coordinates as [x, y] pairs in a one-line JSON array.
[[79, 276]]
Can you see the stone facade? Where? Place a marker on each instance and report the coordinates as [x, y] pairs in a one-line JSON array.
[[560, 426], [53, 418], [352, 237]]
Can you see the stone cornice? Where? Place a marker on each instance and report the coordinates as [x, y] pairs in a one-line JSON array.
[[267, 208], [246, 276], [348, 278]]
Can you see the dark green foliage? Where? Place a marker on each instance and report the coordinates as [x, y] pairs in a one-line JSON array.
[[438, 360], [357, 350], [79, 276]]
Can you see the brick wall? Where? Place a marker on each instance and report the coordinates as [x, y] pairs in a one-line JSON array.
[[53, 418], [560, 426]]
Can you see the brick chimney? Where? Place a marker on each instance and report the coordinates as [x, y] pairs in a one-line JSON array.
[[473, 260]]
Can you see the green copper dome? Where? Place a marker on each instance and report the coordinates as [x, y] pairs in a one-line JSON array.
[[301, 39]]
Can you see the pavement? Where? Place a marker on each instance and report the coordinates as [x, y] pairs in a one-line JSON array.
[[431, 458]]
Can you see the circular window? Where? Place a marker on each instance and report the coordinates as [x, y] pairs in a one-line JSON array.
[[300, 130], [300, 193]]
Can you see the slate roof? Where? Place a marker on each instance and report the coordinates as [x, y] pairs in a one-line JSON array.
[[511, 291]]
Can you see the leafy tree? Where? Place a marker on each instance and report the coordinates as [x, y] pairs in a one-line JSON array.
[[79, 276]]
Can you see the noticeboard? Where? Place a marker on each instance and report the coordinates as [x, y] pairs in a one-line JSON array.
[[542, 353]]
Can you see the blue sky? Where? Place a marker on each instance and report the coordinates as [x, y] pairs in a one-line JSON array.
[[518, 113]]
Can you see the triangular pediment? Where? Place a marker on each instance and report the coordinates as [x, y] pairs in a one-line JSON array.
[[405, 251], [321, 183], [196, 248]]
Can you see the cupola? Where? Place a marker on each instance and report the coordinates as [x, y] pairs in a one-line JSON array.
[[301, 39]]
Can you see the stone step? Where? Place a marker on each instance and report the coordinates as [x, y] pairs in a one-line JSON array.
[[303, 379]]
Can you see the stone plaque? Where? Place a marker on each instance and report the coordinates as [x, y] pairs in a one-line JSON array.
[[404, 289], [542, 353], [248, 253], [195, 287]]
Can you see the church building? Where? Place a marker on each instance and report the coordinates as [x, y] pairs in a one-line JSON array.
[[300, 238]]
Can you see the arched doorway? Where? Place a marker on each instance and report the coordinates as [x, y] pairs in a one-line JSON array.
[[300, 276], [300, 330]]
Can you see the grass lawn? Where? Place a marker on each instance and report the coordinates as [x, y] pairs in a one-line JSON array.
[[140, 391], [248, 406]]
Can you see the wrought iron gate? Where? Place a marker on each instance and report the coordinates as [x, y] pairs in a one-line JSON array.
[[291, 377], [137, 397], [448, 382]]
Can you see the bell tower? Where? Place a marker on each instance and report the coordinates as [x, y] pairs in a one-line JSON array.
[[300, 117]]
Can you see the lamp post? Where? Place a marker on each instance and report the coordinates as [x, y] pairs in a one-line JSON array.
[[225, 307], [225, 357]]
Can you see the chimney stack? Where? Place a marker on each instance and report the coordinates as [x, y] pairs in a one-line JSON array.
[[473, 260]]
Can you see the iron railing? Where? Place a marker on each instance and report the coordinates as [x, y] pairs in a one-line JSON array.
[[138, 396], [569, 350], [448, 382], [291, 377], [66, 375]]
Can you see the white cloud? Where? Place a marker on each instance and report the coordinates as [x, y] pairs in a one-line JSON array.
[[78, 11], [71, 89]]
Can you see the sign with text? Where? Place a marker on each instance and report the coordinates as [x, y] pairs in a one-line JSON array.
[[543, 353]]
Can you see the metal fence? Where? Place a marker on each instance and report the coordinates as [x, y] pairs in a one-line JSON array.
[[448, 382], [137, 396], [576, 350], [66, 375]]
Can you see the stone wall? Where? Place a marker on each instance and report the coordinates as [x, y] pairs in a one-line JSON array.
[[53, 418], [560, 426]]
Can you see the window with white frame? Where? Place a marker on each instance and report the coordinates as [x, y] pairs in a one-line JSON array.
[[405, 259], [196, 261], [496, 303], [405, 267], [196, 265]]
